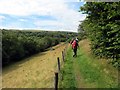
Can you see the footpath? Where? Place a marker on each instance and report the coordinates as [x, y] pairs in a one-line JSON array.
[[87, 71]]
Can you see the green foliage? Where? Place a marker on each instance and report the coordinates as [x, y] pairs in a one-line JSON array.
[[11, 47], [20, 44], [102, 26], [81, 32]]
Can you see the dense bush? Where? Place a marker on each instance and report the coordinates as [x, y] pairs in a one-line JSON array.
[[102, 26], [20, 44], [11, 47]]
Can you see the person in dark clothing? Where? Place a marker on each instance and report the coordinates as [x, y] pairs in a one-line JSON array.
[[74, 47]]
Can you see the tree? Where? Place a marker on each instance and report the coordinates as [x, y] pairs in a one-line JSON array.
[[102, 26]]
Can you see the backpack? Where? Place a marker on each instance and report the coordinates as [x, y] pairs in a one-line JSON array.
[[74, 44]]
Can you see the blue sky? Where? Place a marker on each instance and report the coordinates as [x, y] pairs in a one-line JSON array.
[[57, 15]]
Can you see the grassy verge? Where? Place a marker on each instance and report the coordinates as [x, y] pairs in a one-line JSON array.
[[68, 79], [87, 71], [94, 74]]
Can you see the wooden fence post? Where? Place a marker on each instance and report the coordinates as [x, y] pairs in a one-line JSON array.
[[64, 52], [56, 81], [63, 55], [58, 64]]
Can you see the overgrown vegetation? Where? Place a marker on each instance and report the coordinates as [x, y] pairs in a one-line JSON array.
[[102, 26], [18, 44]]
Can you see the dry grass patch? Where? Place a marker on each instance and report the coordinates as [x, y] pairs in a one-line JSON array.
[[34, 72]]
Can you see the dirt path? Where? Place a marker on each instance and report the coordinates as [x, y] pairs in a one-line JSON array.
[[78, 78], [34, 72]]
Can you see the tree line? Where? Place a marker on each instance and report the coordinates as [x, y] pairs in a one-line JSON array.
[[102, 27], [17, 44]]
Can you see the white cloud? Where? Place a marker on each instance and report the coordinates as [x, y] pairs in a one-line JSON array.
[[66, 18], [22, 20], [2, 18], [27, 7], [48, 23]]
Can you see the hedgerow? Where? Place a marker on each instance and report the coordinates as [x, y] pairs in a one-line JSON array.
[[102, 26]]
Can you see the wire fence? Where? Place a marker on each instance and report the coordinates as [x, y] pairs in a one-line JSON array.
[[58, 74]]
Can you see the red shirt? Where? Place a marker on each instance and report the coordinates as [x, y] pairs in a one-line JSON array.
[[74, 44]]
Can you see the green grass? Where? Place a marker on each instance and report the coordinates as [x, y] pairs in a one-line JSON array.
[[92, 72], [68, 80]]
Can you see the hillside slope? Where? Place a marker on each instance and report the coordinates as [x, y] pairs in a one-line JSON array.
[[36, 71]]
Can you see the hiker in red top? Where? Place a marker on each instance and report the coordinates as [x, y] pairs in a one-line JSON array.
[[75, 46]]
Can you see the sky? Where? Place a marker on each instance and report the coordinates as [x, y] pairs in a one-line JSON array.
[[55, 15]]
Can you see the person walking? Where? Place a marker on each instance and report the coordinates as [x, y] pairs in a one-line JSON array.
[[74, 47]]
